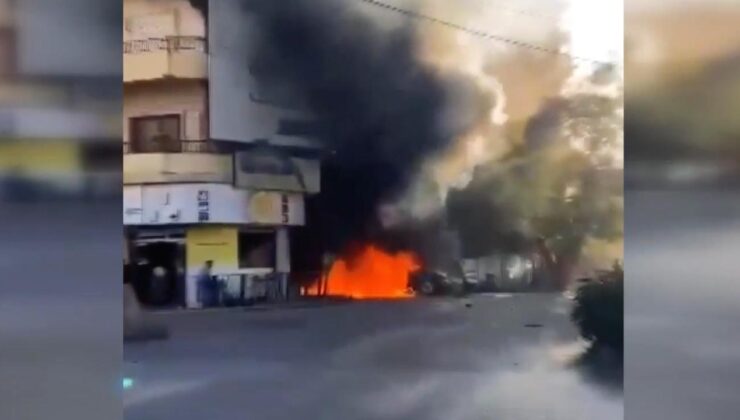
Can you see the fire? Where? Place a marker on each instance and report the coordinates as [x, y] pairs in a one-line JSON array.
[[371, 274]]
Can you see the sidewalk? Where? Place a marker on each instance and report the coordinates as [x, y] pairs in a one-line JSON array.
[[261, 306]]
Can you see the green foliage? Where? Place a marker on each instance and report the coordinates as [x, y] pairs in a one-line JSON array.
[[559, 184], [599, 310]]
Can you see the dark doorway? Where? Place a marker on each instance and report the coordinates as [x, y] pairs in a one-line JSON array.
[[159, 274]]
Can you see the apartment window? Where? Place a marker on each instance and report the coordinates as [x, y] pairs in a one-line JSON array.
[[256, 249], [155, 134]]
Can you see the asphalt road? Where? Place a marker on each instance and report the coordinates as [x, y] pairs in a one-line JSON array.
[[506, 357], [681, 305], [60, 335]]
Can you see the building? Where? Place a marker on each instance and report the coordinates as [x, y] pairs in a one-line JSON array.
[[206, 174]]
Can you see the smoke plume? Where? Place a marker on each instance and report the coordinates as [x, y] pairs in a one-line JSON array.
[[408, 110], [560, 188], [382, 110]]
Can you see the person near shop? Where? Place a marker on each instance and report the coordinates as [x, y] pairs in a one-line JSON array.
[[206, 284]]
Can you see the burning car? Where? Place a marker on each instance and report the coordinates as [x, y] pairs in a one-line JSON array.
[[435, 282], [428, 282]]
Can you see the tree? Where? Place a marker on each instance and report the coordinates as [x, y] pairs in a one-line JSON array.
[[584, 199], [555, 191]]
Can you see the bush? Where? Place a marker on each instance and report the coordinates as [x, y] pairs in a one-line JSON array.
[[599, 310]]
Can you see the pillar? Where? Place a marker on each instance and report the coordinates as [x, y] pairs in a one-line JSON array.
[[282, 258]]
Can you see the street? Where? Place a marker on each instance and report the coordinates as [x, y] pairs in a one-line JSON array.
[[498, 357], [681, 294]]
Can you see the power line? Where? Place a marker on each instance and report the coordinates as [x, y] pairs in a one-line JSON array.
[[482, 34]]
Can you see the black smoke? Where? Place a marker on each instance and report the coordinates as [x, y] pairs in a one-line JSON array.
[[542, 128], [382, 111], [484, 224], [201, 6], [486, 221]]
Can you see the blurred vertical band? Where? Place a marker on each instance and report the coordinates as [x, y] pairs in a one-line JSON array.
[[683, 63], [60, 189], [682, 173], [60, 103]]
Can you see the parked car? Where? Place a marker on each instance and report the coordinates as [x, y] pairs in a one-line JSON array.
[[448, 280], [436, 282]]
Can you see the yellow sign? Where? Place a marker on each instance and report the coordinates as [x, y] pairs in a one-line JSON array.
[[263, 207], [218, 244]]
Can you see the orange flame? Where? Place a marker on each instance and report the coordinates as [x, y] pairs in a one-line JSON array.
[[371, 274]]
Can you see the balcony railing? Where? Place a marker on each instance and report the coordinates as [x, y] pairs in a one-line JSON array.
[[170, 43], [182, 146]]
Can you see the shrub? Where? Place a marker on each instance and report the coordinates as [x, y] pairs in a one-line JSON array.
[[599, 310]]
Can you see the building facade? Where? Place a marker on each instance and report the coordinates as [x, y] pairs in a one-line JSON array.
[[191, 195]]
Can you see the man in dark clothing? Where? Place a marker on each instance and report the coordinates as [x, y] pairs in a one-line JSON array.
[[206, 285]]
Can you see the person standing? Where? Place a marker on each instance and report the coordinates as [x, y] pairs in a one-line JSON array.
[[204, 280], [205, 271]]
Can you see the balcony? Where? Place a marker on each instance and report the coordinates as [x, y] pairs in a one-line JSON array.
[[176, 146], [183, 57], [176, 162]]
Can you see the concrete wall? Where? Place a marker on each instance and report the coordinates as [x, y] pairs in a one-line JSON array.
[[155, 65], [185, 97], [240, 110], [158, 168], [157, 19], [160, 18]]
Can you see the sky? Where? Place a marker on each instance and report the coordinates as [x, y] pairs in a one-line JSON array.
[[596, 31]]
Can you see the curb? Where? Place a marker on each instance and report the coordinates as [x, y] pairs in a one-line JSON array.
[[251, 308]]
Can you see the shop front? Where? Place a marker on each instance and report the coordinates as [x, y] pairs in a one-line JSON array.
[[175, 229]]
